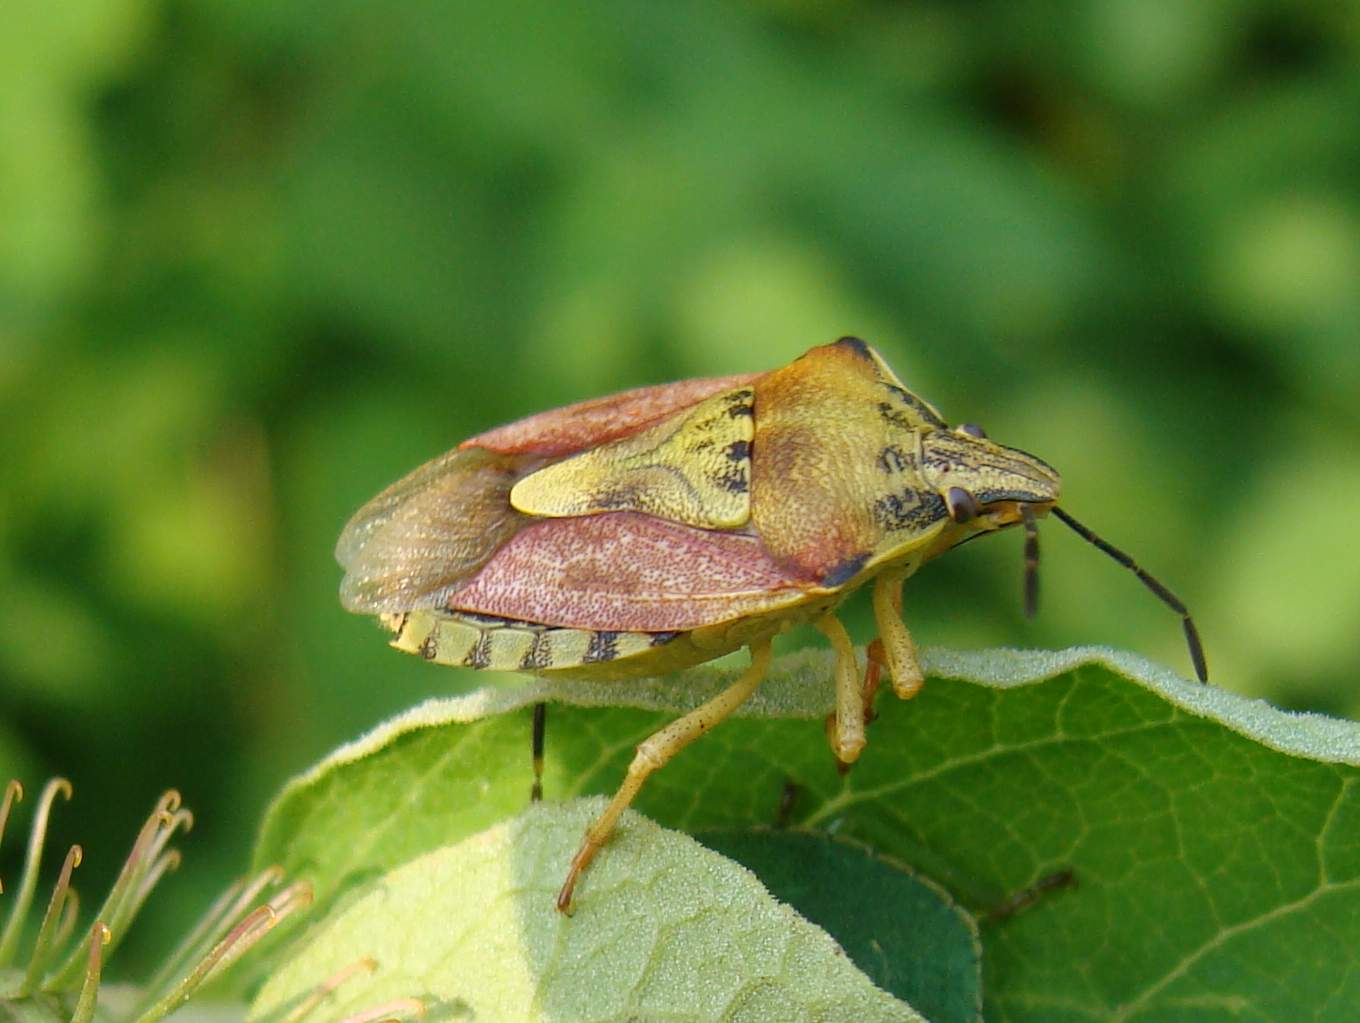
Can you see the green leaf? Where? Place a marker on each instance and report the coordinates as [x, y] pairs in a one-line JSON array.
[[1215, 840], [901, 929], [673, 931]]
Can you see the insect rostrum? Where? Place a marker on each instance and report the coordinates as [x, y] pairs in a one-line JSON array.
[[661, 527]]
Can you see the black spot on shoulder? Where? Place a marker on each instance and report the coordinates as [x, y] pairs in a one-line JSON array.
[[744, 408], [603, 646], [539, 654], [661, 638], [845, 571], [739, 450], [857, 346], [429, 646], [480, 654]]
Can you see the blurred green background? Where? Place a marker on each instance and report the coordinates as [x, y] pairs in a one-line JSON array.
[[259, 259]]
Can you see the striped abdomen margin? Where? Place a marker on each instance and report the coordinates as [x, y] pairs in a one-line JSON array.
[[503, 644]]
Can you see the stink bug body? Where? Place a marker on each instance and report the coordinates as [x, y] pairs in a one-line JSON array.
[[663, 527]]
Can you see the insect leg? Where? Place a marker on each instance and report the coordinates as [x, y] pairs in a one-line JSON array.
[[897, 645], [846, 724], [655, 752], [875, 660], [536, 745], [788, 795]]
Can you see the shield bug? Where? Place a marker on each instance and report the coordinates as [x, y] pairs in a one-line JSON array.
[[662, 527]]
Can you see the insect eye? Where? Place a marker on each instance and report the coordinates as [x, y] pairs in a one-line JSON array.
[[962, 505], [973, 430]]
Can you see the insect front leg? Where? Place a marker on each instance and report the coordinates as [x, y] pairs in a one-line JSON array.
[[898, 649], [846, 724], [655, 752]]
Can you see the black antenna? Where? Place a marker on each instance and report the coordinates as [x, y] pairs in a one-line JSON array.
[[1166, 596], [1031, 561]]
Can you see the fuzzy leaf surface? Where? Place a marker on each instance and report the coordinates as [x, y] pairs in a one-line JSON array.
[[673, 931], [1215, 840]]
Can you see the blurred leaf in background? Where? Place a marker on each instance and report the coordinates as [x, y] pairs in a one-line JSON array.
[[257, 260]]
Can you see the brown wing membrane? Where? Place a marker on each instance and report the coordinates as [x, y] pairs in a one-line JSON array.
[[627, 572], [428, 533], [564, 431]]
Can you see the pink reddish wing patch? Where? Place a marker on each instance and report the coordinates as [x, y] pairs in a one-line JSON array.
[[564, 431], [626, 572]]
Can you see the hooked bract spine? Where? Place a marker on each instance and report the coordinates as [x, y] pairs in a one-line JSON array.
[[64, 966]]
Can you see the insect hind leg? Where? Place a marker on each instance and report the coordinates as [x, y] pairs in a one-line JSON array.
[[536, 743], [655, 752]]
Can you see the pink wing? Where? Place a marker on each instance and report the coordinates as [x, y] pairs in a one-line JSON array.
[[625, 571], [564, 431]]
